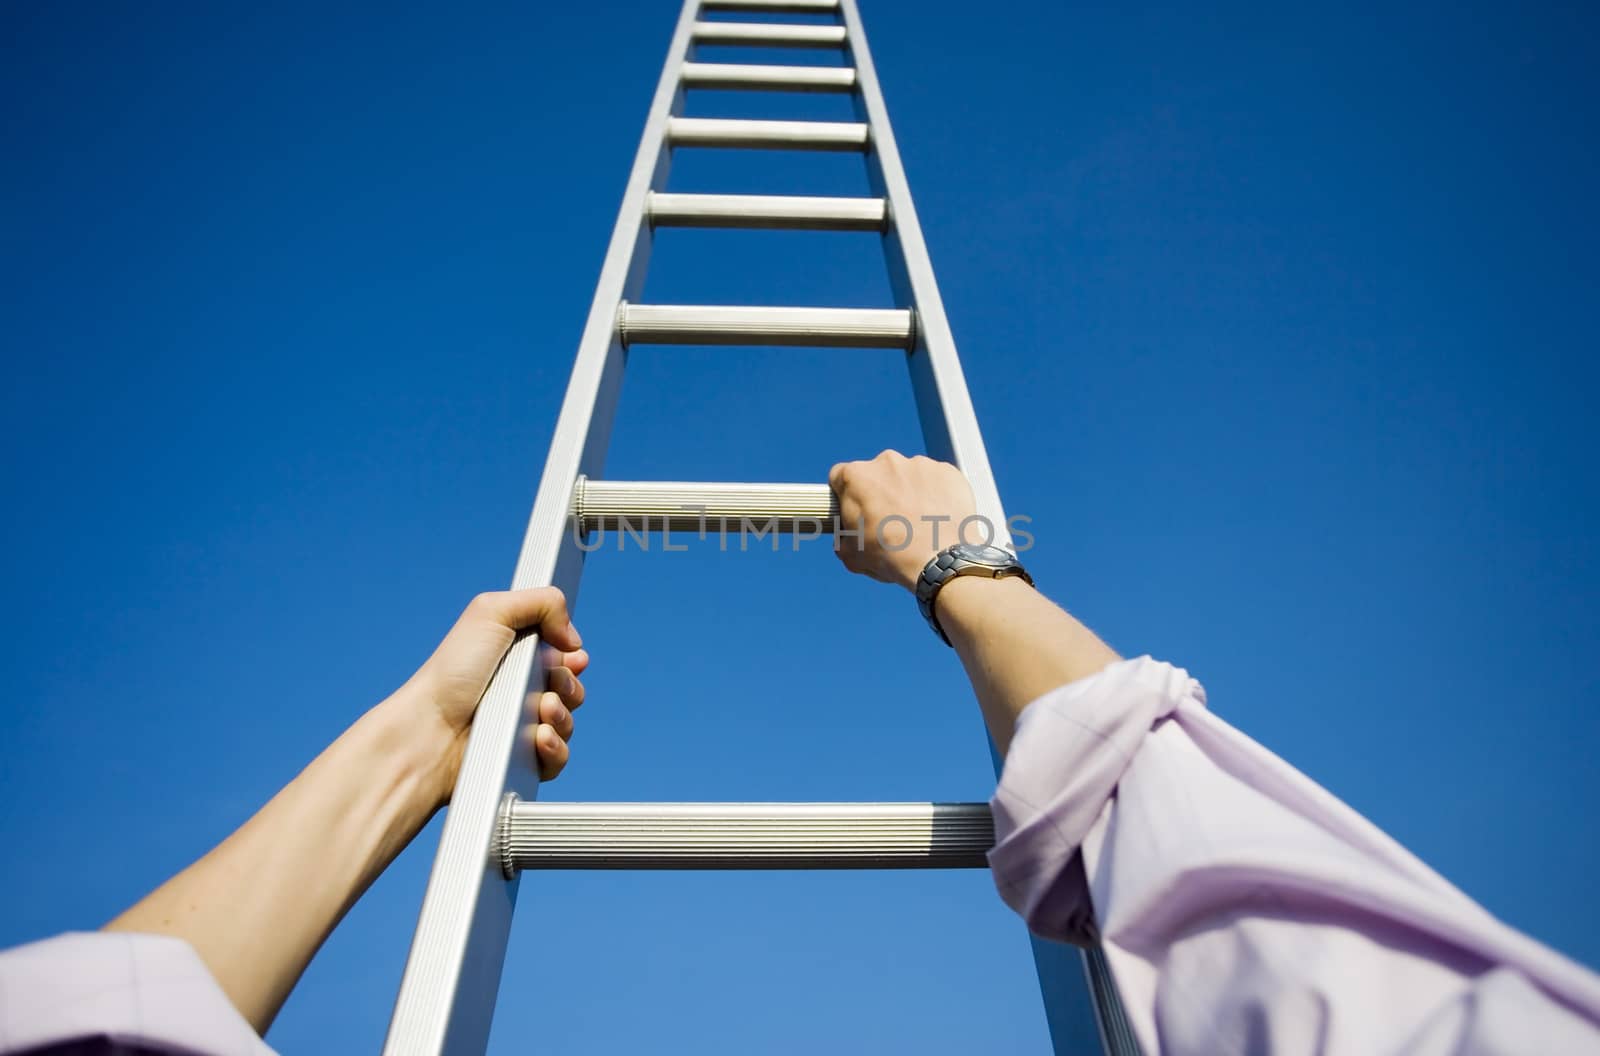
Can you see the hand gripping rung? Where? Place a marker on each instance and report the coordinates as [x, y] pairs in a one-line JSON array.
[[731, 75], [743, 836], [709, 509], [768, 35], [682, 324], [767, 211], [788, 7], [768, 135]]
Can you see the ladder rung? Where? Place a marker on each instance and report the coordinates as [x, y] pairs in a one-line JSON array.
[[682, 324], [772, 78], [770, 35], [744, 836], [788, 7], [775, 135], [713, 508], [767, 211]]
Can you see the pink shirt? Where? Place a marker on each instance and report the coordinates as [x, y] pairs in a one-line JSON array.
[[115, 992], [1241, 907]]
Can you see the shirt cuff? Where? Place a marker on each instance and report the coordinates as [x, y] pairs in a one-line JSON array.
[[147, 991], [1070, 749]]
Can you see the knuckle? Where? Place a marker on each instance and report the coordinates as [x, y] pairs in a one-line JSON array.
[[553, 598]]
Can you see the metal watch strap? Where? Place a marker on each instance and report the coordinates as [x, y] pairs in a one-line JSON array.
[[954, 562]]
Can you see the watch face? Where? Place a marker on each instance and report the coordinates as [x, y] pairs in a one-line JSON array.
[[985, 555]]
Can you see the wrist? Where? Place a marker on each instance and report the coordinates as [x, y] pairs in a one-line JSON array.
[[963, 600], [908, 571], [962, 561], [964, 590], [421, 750], [920, 548]]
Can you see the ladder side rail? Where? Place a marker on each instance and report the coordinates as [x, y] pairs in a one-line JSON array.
[[451, 981], [944, 407], [950, 432]]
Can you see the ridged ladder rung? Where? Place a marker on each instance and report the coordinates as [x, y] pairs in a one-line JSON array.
[[683, 324], [715, 509], [767, 211], [743, 836], [768, 35], [732, 75], [787, 7], [766, 135]]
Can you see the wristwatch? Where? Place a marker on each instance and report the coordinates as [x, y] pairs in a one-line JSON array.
[[963, 559]]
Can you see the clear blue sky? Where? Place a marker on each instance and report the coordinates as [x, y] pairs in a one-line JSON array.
[[1280, 322]]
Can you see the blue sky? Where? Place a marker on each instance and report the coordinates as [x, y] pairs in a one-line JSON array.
[[1280, 324]]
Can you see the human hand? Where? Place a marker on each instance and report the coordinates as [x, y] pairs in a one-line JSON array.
[[445, 690], [909, 508]]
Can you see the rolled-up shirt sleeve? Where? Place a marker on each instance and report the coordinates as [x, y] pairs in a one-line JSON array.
[[117, 992], [1241, 907]]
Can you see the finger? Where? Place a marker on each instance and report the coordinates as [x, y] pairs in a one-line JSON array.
[[543, 608], [550, 751], [836, 475], [850, 510], [576, 661], [553, 712], [565, 684], [851, 552], [851, 522]]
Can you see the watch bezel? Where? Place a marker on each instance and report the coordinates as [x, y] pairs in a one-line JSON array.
[[980, 554]]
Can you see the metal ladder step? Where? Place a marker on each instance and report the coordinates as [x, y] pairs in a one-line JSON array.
[[766, 211], [743, 835], [682, 324], [702, 508], [768, 35], [766, 135], [788, 7], [770, 78]]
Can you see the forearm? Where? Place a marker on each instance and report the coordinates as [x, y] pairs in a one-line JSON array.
[[258, 906], [1016, 645]]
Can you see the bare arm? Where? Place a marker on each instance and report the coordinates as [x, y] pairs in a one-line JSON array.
[[259, 905], [1016, 645], [1013, 641]]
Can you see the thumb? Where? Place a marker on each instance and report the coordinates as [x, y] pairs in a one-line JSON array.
[[541, 609]]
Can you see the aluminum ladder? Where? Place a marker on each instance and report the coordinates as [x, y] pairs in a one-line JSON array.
[[494, 829]]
